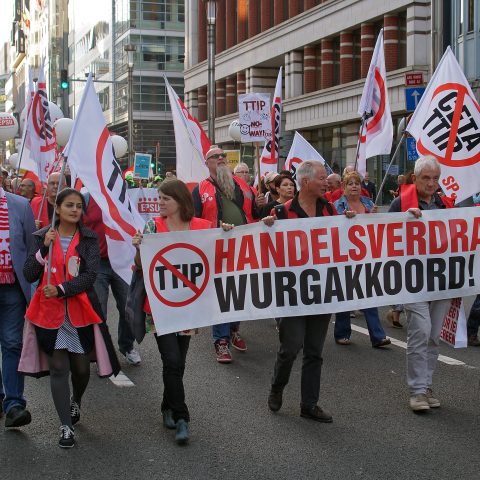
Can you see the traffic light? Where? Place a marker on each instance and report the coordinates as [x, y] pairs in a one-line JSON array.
[[64, 83]]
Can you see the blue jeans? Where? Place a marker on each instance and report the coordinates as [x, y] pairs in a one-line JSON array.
[[473, 320], [106, 278], [12, 308], [343, 327], [223, 330]]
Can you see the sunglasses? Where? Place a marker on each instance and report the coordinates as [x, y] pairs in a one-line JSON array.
[[216, 156]]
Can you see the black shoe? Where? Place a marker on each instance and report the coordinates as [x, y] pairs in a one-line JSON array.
[[67, 437], [74, 411], [182, 435], [168, 420], [17, 417], [275, 400], [1, 408], [381, 343], [316, 413]]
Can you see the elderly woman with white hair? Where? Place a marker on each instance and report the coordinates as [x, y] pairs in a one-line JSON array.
[[424, 319]]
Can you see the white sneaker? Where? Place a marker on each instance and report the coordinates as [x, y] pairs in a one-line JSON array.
[[432, 401], [419, 402], [133, 357]]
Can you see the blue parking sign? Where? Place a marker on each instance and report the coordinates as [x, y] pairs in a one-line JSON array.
[[412, 154], [412, 97]]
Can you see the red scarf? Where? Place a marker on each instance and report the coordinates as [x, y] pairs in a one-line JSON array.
[[7, 275]]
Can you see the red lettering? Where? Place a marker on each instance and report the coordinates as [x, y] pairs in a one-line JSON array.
[[354, 233], [376, 239], [337, 255], [393, 238], [475, 234], [437, 237], [221, 255], [247, 255], [297, 254], [317, 245], [458, 229], [269, 249], [415, 234]]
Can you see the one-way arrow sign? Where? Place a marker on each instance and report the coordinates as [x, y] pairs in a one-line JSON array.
[[412, 97]]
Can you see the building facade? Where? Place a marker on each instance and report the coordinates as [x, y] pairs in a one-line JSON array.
[[325, 48]]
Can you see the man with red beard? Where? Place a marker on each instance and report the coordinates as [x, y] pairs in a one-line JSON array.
[[225, 198]]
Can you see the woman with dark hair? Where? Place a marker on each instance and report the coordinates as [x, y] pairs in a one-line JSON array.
[[176, 215], [352, 203], [64, 311], [286, 189]]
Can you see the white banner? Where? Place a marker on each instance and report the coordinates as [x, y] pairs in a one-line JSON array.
[[146, 202], [254, 117], [446, 124], [309, 266], [90, 154]]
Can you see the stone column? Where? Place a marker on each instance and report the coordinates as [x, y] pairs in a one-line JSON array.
[[221, 26], [390, 36], [367, 45], [231, 101], [293, 8], [242, 15], [418, 35], [253, 18], [327, 63], [241, 83], [265, 14], [293, 74], [220, 98], [202, 32], [202, 104], [309, 69], [230, 8], [346, 57], [278, 12]]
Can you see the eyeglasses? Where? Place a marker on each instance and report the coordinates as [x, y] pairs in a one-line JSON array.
[[216, 156], [243, 172]]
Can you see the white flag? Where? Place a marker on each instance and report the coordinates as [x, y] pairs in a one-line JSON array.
[[40, 129], [190, 140], [446, 124], [377, 136], [269, 158], [300, 151], [90, 154]]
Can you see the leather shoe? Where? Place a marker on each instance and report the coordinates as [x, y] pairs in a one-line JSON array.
[[275, 400], [316, 413], [17, 417], [382, 343]]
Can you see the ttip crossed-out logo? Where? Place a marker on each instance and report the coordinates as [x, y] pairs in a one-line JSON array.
[[451, 132]]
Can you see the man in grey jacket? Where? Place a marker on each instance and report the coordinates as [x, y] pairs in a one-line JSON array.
[[16, 227]]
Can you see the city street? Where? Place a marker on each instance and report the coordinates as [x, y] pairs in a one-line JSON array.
[[234, 435]]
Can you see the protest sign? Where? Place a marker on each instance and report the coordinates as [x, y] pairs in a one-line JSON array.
[[146, 202], [255, 117], [454, 329], [233, 158], [309, 266], [141, 166]]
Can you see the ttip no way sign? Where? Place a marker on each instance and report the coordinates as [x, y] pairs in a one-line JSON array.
[[182, 270]]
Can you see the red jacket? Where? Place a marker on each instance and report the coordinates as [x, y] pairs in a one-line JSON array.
[[50, 312], [409, 198], [293, 209], [36, 203]]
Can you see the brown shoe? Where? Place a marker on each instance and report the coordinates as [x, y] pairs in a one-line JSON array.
[[473, 341]]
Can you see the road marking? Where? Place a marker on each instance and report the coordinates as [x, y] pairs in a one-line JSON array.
[[399, 343], [121, 380]]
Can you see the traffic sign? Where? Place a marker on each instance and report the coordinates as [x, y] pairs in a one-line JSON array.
[[412, 97], [412, 154], [414, 79]]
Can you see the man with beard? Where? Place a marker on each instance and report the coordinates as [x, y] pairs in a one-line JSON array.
[[269, 181], [225, 198]]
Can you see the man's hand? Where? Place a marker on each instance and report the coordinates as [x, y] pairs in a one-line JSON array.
[[260, 201], [137, 239], [50, 291], [349, 213], [38, 224], [269, 221], [226, 226], [416, 212]]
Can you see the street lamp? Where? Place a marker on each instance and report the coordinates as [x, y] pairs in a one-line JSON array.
[[130, 49], [211, 6]]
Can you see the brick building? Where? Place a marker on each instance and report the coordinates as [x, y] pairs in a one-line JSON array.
[[325, 48]]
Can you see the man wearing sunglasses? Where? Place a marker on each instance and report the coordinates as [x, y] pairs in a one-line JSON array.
[[225, 198]]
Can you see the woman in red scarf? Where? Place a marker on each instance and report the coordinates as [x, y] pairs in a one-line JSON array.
[[65, 312]]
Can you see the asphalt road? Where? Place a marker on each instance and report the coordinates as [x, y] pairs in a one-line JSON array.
[[233, 434]]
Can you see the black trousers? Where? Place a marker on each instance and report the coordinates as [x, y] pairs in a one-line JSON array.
[[310, 332], [173, 349]]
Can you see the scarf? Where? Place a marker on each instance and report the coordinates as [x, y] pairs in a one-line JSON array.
[[7, 275]]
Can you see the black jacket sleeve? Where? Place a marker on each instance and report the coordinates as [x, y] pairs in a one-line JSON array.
[[197, 203], [33, 269], [395, 206]]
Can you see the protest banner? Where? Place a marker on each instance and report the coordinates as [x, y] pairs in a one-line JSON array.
[[255, 117], [310, 266], [141, 166], [146, 202]]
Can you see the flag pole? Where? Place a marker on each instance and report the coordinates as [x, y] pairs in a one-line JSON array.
[[50, 247], [360, 133], [257, 164], [394, 156]]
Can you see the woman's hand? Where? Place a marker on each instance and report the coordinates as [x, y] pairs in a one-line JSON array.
[[416, 212], [49, 237], [269, 221], [349, 213], [50, 291], [374, 209], [137, 239], [226, 226]]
